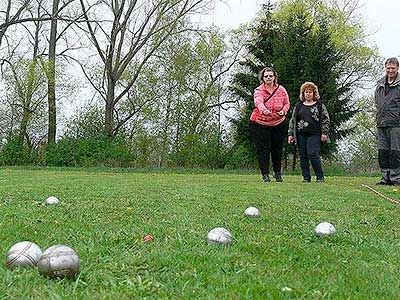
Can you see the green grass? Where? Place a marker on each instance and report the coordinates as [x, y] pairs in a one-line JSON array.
[[105, 215]]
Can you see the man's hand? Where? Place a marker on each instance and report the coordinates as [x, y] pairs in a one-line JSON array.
[[290, 139], [324, 138]]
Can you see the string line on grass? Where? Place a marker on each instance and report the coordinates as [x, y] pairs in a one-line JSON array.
[[380, 194]]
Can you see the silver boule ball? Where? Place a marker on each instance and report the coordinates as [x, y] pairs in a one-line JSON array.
[[324, 228], [23, 254], [252, 212], [52, 201], [59, 261], [219, 235]]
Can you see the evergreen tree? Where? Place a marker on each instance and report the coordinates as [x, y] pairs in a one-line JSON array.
[[298, 40]]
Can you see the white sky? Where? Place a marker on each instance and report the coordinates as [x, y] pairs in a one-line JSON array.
[[381, 18]]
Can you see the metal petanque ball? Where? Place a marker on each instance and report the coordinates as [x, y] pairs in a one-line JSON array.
[[219, 235], [23, 254], [324, 229], [52, 201], [59, 261], [252, 212]]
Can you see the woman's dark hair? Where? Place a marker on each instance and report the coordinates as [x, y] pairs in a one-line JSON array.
[[267, 69]]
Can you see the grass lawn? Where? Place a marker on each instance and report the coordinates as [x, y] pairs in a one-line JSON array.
[[105, 215]]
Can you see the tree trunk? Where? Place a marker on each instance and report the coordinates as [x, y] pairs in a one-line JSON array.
[[51, 85], [165, 134], [108, 122], [24, 125]]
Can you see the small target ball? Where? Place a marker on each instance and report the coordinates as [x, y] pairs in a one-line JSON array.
[[148, 238]]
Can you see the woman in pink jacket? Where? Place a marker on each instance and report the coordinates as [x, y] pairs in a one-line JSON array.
[[267, 122]]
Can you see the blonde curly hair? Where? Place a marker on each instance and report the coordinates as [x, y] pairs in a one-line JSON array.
[[311, 86]]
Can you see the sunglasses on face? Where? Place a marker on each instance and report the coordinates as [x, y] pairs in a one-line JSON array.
[[268, 76]]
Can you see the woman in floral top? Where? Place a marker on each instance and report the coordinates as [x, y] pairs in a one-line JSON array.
[[308, 127]]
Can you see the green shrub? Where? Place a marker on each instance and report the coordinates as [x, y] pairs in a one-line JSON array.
[[241, 158], [195, 152], [93, 151], [15, 152]]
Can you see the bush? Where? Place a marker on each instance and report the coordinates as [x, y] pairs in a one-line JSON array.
[[197, 152], [15, 152], [93, 151], [241, 158]]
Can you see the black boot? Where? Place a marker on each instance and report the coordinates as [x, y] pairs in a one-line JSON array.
[[266, 178], [278, 177], [382, 182]]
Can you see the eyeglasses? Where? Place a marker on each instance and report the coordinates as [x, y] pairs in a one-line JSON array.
[[269, 76]]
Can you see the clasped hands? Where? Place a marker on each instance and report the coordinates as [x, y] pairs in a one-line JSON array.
[[268, 112]]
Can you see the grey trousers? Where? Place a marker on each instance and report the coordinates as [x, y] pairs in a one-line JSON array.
[[389, 153]]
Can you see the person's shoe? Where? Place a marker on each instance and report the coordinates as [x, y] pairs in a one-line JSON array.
[[266, 178], [395, 183], [278, 177], [307, 180], [382, 182], [320, 180]]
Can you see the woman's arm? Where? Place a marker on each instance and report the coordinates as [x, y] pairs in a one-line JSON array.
[[286, 103], [292, 127], [325, 122], [259, 100]]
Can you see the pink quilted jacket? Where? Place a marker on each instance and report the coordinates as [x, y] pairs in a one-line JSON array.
[[278, 102]]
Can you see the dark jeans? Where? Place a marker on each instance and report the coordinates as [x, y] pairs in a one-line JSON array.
[[309, 150], [269, 142]]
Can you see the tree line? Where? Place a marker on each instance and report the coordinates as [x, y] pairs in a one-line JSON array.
[[137, 83]]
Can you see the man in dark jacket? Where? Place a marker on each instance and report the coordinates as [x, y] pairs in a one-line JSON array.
[[387, 100]]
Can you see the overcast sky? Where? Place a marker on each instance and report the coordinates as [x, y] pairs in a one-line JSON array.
[[381, 17]]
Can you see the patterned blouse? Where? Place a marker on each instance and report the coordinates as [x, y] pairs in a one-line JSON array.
[[308, 119]]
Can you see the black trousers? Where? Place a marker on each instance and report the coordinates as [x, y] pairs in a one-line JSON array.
[[269, 142], [389, 153]]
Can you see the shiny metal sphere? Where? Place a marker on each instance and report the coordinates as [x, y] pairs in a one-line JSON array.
[[219, 235], [59, 261], [324, 229], [23, 254], [252, 212], [52, 201]]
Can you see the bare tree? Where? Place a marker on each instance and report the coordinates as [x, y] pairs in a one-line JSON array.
[[25, 95], [51, 83], [213, 59], [187, 83], [41, 36], [132, 34], [18, 12], [12, 15], [51, 71]]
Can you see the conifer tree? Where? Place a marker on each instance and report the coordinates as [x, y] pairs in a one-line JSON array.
[[300, 42]]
